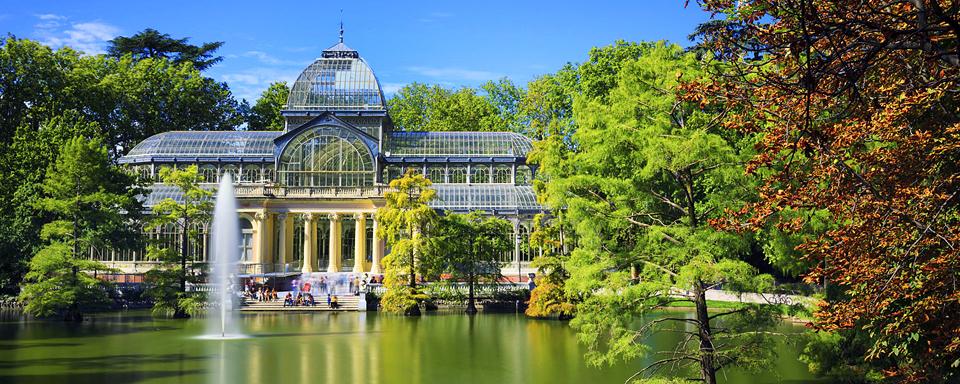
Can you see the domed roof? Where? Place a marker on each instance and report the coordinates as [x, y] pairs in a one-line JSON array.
[[339, 80]]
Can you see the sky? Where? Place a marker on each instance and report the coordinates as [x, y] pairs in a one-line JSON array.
[[451, 43]]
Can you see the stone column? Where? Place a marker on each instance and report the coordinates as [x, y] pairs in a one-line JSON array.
[[309, 246], [360, 245], [377, 249], [335, 240], [261, 240], [282, 254]]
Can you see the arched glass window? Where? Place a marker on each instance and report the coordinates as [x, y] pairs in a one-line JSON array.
[[250, 172], [523, 236], [326, 157], [480, 174], [209, 173], [458, 175], [501, 175], [435, 174]]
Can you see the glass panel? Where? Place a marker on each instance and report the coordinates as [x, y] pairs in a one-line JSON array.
[[348, 240], [458, 175], [501, 174], [481, 174], [435, 174], [326, 157]]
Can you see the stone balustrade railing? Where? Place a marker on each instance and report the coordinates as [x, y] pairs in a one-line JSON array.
[[310, 192]]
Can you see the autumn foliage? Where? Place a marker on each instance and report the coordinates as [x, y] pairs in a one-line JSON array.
[[856, 103]]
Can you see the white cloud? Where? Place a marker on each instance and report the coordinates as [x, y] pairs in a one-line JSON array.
[[391, 88], [455, 74], [50, 16], [89, 37]]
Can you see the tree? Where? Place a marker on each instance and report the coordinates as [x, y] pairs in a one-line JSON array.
[[639, 181], [419, 107], [265, 114], [94, 205], [548, 298], [150, 43], [49, 96], [855, 104], [167, 282], [469, 247], [403, 223]]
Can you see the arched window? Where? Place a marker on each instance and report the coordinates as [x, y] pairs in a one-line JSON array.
[[250, 172], [523, 237], [501, 175], [246, 245], [458, 175], [435, 174], [209, 173], [326, 157], [480, 174]]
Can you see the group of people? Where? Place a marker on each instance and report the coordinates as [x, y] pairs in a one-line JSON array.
[[305, 299], [261, 293]]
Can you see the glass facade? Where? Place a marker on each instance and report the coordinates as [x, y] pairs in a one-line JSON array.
[[326, 156]]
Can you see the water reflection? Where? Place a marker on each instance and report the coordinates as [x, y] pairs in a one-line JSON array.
[[333, 348]]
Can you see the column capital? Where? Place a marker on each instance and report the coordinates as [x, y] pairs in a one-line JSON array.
[[260, 215], [335, 216], [310, 216], [360, 215], [281, 216]]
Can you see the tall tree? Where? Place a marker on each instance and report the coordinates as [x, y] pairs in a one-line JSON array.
[[643, 175], [403, 223], [468, 248], [548, 298], [265, 114], [150, 43], [419, 107], [856, 104], [47, 97], [167, 283], [95, 206]]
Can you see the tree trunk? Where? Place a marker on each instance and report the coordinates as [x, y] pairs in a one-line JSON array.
[[708, 371], [471, 302], [179, 312]]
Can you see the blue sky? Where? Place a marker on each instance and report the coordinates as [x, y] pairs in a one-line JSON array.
[[453, 43]]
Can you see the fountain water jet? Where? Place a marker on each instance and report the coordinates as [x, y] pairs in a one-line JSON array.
[[224, 256]]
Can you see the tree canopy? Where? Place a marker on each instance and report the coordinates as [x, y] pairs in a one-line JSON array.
[[856, 106], [150, 43], [265, 114]]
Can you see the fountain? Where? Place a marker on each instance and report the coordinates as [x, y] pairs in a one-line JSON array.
[[224, 256]]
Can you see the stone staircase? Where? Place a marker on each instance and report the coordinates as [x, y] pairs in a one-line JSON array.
[[347, 303]]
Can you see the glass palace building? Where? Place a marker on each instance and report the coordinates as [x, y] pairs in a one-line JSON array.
[[307, 195]]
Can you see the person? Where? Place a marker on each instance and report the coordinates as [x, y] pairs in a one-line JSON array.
[[273, 293], [310, 301], [299, 301], [334, 304], [328, 299], [323, 284], [288, 300]]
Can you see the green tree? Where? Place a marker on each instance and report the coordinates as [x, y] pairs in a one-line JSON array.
[[639, 179], [150, 43], [403, 223], [468, 247], [421, 107], [167, 283], [48, 96], [548, 298], [94, 205], [265, 114]]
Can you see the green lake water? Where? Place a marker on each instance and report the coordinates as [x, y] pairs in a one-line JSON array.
[[132, 347]]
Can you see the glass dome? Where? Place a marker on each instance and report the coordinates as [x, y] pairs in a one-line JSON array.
[[339, 80]]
